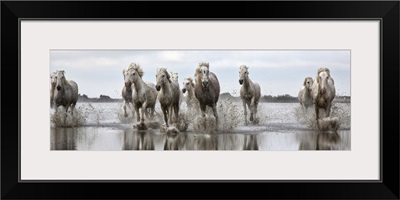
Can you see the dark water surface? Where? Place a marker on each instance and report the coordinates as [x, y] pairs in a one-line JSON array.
[[282, 127]]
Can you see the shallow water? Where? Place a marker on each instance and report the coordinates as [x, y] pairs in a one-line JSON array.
[[282, 126]]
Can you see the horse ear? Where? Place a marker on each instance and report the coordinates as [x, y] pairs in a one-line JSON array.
[[168, 77]]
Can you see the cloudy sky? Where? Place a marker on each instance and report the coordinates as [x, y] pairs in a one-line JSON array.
[[278, 72]]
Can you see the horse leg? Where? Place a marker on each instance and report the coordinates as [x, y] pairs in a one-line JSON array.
[[126, 114], [328, 110], [152, 112], [66, 111], [245, 111], [203, 110], [144, 110], [137, 113], [255, 110], [214, 107], [176, 109], [317, 115], [252, 109], [165, 112], [73, 108]]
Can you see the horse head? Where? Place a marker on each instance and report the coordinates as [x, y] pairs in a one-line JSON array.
[[308, 81], [60, 77], [203, 71], [132, 74], [243, 73], [187, 84], [162, 77], [322, 79], [53, 79], [174, 76]]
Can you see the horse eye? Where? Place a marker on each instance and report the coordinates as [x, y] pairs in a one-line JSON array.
[[134, 73], [163, 76]]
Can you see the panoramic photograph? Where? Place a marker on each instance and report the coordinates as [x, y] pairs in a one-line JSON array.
[[196, 100]]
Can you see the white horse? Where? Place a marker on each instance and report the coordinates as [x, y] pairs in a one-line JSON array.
[[66, 92], [168, 96], [250, 93], [323, 92], [191, 101], [53, 82], [127, 96], [175, 77], [144, 95], [304, 96]]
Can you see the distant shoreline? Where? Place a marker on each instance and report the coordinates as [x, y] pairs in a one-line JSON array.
[[224, 96]]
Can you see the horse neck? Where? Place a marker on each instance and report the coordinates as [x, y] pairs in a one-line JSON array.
[[191, 92], [247, 82], [166, 87], [325, 87], [138, 85]]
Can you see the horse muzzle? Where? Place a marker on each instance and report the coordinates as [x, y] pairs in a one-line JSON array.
[[158, 87], [184, 90], [205, 83], [240, 81], [128, 85], [58, 87]]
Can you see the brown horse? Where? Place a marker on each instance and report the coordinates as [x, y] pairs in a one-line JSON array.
[[207, 89], [66, 92]]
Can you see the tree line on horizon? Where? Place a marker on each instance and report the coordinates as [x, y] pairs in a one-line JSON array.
[[286, 98]]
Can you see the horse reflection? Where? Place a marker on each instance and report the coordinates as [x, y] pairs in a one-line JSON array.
[[229, 142], [63, 139], [250, 142], [328, 140], [138, 140], [172, 141], [320, 140]]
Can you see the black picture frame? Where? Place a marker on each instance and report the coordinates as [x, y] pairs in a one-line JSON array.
[[386, 11]]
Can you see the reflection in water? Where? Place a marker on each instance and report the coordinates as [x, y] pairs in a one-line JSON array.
[[320, 140], [250, 142], [110, 138], [327, 140], [64, 139], [172, 140], [138, 140]]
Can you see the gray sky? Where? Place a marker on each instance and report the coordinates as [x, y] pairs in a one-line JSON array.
[[278, 72]]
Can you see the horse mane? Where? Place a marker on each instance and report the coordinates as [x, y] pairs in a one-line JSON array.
[[164, 70], [136, 67], [323, 69], [205, 64], [190, 81]]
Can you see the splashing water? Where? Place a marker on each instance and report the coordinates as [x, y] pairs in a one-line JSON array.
[[340, 116], [61, 118], [121, 114], [228, 115]]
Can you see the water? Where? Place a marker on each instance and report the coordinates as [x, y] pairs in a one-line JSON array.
[[281, 126]]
